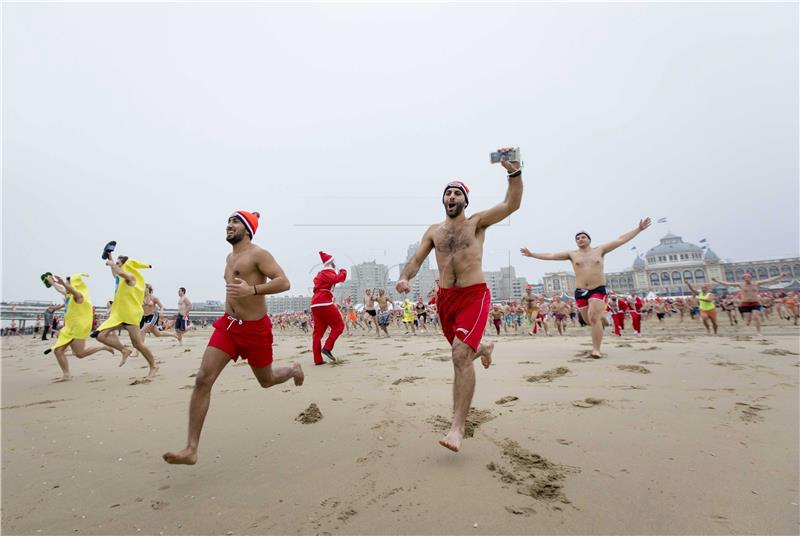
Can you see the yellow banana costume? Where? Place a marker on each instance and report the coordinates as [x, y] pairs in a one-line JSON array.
[[77, 316], [127, 306]]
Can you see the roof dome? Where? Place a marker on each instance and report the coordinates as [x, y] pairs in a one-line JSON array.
[[672, 244], [710, 256], [639, 264]]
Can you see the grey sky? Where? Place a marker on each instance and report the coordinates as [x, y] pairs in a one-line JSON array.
[[149, 124]]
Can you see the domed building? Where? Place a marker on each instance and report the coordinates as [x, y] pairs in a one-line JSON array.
[[667, 267]]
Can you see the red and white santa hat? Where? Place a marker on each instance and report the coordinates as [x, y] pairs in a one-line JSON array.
[[326, 259]]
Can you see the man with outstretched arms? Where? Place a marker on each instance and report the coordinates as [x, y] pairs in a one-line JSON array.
[[750, 304], [245, 329], [590, 281], [463, 300]]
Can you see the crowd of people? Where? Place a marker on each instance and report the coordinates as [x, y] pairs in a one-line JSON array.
[[459, 307]]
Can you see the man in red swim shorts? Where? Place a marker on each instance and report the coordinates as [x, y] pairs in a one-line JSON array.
[[463, 299], [244, 330]]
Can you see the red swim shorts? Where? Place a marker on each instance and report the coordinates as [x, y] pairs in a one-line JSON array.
[[463, 312], [250, 339]]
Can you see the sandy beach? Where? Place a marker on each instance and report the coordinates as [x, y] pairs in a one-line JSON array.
[[675, 432]]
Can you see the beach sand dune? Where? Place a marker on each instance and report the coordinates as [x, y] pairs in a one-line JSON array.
[[705, 442]]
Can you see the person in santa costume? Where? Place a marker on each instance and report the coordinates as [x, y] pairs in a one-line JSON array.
[[323, 308]]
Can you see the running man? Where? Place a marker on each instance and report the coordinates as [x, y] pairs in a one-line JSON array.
[[245, 329], [369, 308], [384, 314], [77, 322], [587, 262], [463, 299], [126, 311], [750, 304], [708, 309], [182, 318], [151, 311]]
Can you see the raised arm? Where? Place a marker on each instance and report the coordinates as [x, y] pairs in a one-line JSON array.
[[691, 288], [412, 266], [513, 198], [625, 238], [563, 256], [725, 283], [119, 272], [77, 296], [769, 280]]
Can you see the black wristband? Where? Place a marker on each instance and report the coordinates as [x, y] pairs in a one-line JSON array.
[[517, 173]]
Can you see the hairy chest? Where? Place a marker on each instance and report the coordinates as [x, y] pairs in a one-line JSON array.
[[451, 240]]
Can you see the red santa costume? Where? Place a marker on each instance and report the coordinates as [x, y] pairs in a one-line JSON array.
[[619, 318], [636, 313], [323, 309]]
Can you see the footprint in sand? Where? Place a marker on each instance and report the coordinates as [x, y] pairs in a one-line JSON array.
[[475, 418], [310, 415], [648, 349], [533, 475], [750, 412], [506, 400], [549, 375], [140, 381], [648, 363], [624, 345], [407, 379], [634, 368], [588, 402], [779, 351]]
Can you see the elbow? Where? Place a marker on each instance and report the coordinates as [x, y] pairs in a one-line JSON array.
[[286, 285]]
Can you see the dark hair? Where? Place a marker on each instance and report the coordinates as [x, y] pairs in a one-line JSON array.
[[183, 289]]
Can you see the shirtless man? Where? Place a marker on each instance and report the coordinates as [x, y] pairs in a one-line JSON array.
[[151, 311], [590, 281], [182, 318], [244, 330], [729, 306], [369, 307], [561, 313], [529, 300], [464, 299], [750, 306], [384, 314], [421, 312]]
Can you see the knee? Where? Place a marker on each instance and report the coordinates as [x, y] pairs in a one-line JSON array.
[[203, 381], [461, 358], [102, 336]]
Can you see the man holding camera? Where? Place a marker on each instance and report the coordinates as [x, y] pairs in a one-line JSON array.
[[463, 299]]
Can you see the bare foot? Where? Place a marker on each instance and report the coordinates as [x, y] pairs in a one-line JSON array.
[[152, 373], [183, 457], [451, 441], [125, 355], [298, 374], [595, 355], [486, 356], [64, 378]]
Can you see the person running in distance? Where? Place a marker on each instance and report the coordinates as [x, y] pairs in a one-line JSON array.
[[590, 281]]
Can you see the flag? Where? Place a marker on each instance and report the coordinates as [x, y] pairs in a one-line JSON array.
[[634, 247], [703, 241], [662, 220]]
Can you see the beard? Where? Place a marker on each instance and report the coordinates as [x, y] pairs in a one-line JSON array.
[[235, 238], [455, 211]]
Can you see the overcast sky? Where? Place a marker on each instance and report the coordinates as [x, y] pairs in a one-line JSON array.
[[149, 124]]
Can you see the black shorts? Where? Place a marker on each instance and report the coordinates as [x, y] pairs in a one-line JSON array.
[[749, 308], [583, 295], [181, 323], [660, 316], [423, 316], [371, 312], [151, 320]]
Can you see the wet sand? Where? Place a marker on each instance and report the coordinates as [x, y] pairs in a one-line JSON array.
[[674, 432]]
